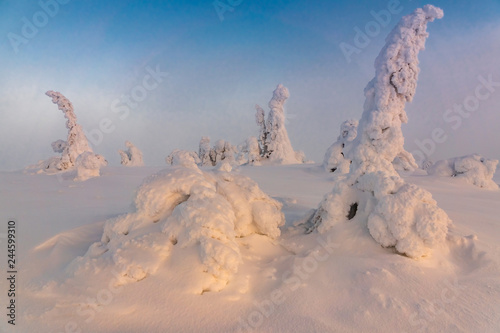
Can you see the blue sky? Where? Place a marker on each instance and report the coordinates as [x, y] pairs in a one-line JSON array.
[[96, 52]]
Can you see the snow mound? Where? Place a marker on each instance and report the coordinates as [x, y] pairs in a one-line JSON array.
[[474, 168], [397, 214], [180, 211], [132, 156]]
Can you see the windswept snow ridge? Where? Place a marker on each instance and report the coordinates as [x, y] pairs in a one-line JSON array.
[[184, 209], [398, 214]]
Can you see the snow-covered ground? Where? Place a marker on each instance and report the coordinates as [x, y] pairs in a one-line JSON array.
[[342, 281]]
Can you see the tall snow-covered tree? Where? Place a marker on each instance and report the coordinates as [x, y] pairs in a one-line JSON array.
[[398, 215], [132, 156], [275, 145], [76, 142]]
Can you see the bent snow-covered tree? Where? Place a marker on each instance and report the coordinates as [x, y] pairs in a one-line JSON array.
[[398, 215], [274, 141], [132, 156], [77, 142]]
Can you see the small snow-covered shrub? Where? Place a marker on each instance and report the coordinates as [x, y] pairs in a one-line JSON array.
[[132, 156], [182, 157], [397, 214], [88, 165], [181, 211], [474, 168], [405, 161], [335, 160], [249, 152]]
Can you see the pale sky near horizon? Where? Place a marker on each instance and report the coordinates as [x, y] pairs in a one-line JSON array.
[[214, 67]]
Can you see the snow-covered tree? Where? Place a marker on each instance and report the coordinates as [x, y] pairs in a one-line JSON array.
[[275, 145], [398, 215], [204, 152], [77, 142], [132, 156], [260, 118], [88, 165], [335, 160], [474, 168], [186, 214]]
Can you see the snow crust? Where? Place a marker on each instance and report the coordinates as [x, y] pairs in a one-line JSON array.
[[132, 156], [474, 168], [397, 214], [181, 210]]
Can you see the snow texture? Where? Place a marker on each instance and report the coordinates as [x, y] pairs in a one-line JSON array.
[[474, 168], [405, 161], [275, 144], [398, 215], [180, 211], [88, 165], [76, 142], [132, 156]]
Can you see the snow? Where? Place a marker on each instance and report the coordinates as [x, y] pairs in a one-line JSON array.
[[88, 165], [474, 168], [340, 281]]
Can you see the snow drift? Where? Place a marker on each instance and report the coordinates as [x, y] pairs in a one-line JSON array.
[[474, 168], [398, 215], [181, 210]]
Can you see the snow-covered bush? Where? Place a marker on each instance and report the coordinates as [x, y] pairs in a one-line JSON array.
[[397, 214], [249, 152], [275, 145], [474, 168], [184, 214], [182, 157], [76, 143], [405, 161], [132, 156], [88, 165], [335, 160]]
